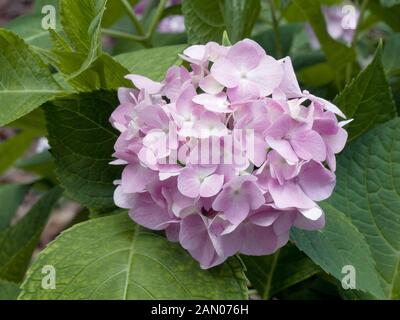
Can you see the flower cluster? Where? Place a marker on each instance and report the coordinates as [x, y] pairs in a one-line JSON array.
[[226, 154]]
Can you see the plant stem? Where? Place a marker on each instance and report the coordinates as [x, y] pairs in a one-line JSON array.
[[156, 18], [349, 69], [122, 35], [132, 16], [275, 26], [360, 20], [143, 38]]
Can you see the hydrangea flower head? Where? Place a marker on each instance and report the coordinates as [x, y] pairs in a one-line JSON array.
[[226, 154]]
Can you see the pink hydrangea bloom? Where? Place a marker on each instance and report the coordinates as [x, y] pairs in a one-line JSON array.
[[227, 155], [341, 22]]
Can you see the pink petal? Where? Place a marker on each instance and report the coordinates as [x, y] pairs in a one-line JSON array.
[[336, 142], [144, 83], [245, 54], [289, 84], [234, 206], [219, 72], [195, 238], [304, 223], [284, 148], [309, 145], [210, 85], [312, 213], [316, 181], [289, 195], [146, 213], [211, 185], [135, 178], [122, 199], [215, 103], [267, 75], [258, 241]]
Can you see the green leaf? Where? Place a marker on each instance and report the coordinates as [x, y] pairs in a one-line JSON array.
[[39, 4], [390, 15], [152, 63], [112, 258], [85, 66], [240, 17], [41, 164], [390, 56], [225, 40], [103, 73], [367, 201], [33, 122], [204, 20], [8, 290], [273, 273], [25, 82], [337, 245], [367, 99], [389, 3], [317, 75], [81, 21], [30, 29], [13, 148], [114, 11], [266, 39], [82, 143], [11, 196], [338, 54], [18, 242]]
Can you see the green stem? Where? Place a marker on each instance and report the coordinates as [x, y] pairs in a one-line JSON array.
[[275, 26], [156, 18], [122, 35], [267, 291], [360, 20], [349, 69], [132, 16]]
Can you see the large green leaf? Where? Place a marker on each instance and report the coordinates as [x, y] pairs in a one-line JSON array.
[[390, 15], [82, 141], [103, 73], [81, 21], [240, 17], [390, 56], [41, 164], [337, 245], [13, 148], [367, 99], [25, 82], [18, 242], [390, 3], [30, 29], [365, 204], [39, 4], [84, 65], [273, 273], [152, 63], [8, 290], [112, 258], [204, 20], [338, 55], [11, 196], [33, 122]]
